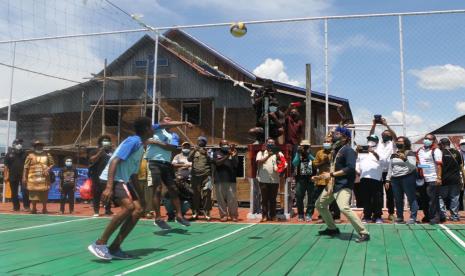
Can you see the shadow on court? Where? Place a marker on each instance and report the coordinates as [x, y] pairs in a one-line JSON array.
[[172, 231]]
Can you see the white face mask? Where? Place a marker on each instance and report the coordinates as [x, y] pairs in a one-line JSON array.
[[68, 163], [372, 144], [106, 144], [186, 151], [273, 108], [19, 147], [462, 147], [39, 151]]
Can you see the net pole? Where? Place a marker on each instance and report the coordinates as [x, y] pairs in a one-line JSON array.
[[326, 80], [154, 92], [402, 83]]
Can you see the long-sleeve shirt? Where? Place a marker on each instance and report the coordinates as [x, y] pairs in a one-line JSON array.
[[323, 165], [303, 167], [399, 167], [344, 159], [201, 162]]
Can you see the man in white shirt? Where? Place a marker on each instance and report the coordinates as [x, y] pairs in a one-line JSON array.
[[370, 170], [385, 149], [430, 163]]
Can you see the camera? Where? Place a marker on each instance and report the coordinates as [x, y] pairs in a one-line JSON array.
[[363, 149], [378, 119]]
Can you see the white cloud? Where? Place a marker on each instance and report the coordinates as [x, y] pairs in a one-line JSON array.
[[440, 77], [460, 107], [274, 69], [410, 119], [358, 41], [424, 104]]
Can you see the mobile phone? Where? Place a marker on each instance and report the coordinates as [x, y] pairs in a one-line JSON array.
[[378, 118], [363, 149]]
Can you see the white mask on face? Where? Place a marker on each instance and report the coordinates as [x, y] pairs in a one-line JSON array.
[[327, 146], [372, 144], [68, 163], [19, 147], [462, 147], [106, 144]]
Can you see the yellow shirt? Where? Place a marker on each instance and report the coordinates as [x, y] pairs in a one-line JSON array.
[[322, 163]]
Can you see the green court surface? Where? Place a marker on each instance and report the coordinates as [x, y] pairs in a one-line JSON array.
[[57, 245]]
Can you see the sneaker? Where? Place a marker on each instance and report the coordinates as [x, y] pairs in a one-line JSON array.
[[301, 218], [400, 221], [329, 232], [195, 216], [379, 221], [100, 251], [411, 221], [308, 218], [391, 217], [183, 221], [425, 220], [363, 238], [120, 255], [224, 219], [27, 209], [455, 219], [96, 215], [162, 224], [170, 219], [235, 219], [364, 221]]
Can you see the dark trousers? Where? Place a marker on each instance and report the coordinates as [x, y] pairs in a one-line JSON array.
[[98, 187], [405, 185], [434, 207], [372, 191], [202, 198], [305, 186], [269, 192], [333, 208], [14, 186], [389, 196], [423, 201], [67, 195], [358, 193]]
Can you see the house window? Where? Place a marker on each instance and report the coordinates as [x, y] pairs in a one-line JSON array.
[[191, 112], [111, 117], [141, 64], [241, 166]]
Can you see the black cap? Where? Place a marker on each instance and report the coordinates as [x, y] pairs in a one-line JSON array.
[[18, 141]]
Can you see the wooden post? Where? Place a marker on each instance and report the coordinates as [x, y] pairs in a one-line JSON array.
[[223, 136], [308, 103], [143, 113], [266, 111]]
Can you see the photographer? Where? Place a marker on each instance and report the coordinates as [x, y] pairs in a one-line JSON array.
[[276, 119], [302, 163], [226, 163], [370, 171], [385, 149], [268, 166]]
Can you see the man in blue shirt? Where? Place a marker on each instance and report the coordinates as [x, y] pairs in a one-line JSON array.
[[342, 178], [159, 152], [120, 174]]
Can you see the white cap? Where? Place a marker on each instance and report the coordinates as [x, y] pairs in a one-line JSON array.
[[462, 141]]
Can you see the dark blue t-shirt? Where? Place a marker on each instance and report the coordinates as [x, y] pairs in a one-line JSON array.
[[345, 160]]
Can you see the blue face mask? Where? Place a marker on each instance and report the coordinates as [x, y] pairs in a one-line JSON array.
[[273, 108], [327, 146], [427, 143]]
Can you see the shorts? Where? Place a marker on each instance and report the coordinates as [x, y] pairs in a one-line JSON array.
[[122, 191]]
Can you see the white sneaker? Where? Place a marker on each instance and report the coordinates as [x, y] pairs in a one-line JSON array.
[[96, 215]]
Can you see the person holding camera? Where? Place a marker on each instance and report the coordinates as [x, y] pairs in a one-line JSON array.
[[268, 167], [98, 160], [226, 162], [370, 171], [302, 163], [402, 178], [386, 147]]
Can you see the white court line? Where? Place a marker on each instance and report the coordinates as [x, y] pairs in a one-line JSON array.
[[43, 225], [456, 238], [184, 251]]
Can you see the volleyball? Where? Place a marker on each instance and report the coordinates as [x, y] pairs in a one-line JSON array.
[[238, 29]]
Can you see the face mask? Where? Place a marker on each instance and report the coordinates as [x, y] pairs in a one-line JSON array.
[[186, 151], [372, 144], [225, 149], [400, 146], [68, 163], [386, 138], [269, 146], [273, 108], [427, 143], [39, 151], [293, 115], [106, 144], [327, 146], [462, 147], [202, 144], [18, 146]]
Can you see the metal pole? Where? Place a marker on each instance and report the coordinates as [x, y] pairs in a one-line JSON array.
[[144, 113], [223, 136], [82, 114], [266, 107], [308, 103], [326, 79], [104, 84], [154, 92], [402, 85], [213, 122], [9, 111]]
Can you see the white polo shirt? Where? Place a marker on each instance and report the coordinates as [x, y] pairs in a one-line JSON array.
[[369, 166], [426, 163], [385, 150]]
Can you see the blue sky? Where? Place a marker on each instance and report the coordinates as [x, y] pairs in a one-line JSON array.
[[364, 53]]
